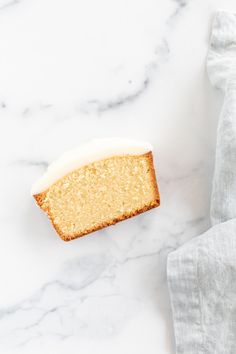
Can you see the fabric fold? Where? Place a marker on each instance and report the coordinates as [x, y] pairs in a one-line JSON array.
[[202, 273], [221, 67], [202, 286]]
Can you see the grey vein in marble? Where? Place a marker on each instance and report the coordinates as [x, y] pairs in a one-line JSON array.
[[25, 162], [102, 106], [6, 4], [62, 294], [181, 5], [161, 54]]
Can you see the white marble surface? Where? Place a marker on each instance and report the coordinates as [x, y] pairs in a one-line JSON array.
[[74, 70]]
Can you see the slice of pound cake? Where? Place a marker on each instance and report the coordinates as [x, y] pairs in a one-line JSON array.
[[96, 185]]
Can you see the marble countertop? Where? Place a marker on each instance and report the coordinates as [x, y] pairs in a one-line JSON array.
[[73, 70]]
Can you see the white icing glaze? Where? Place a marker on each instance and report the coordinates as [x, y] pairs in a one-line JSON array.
[[85, 154]]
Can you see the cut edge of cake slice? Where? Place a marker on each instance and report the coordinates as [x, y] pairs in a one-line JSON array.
[[98, 185]]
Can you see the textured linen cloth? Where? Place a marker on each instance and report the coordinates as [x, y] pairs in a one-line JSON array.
[[202, 273]]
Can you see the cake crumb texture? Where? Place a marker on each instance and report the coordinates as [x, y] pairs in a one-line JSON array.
[[100, 194]]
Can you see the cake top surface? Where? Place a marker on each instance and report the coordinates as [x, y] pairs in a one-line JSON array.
[[85, 154]]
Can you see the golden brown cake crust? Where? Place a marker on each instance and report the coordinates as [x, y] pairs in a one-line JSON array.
[[41, 198]]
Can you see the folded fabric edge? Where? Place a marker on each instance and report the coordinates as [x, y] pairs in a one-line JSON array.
[[222, 49], [185, 300]]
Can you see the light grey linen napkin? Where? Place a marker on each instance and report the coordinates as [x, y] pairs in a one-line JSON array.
[[202, 273]]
